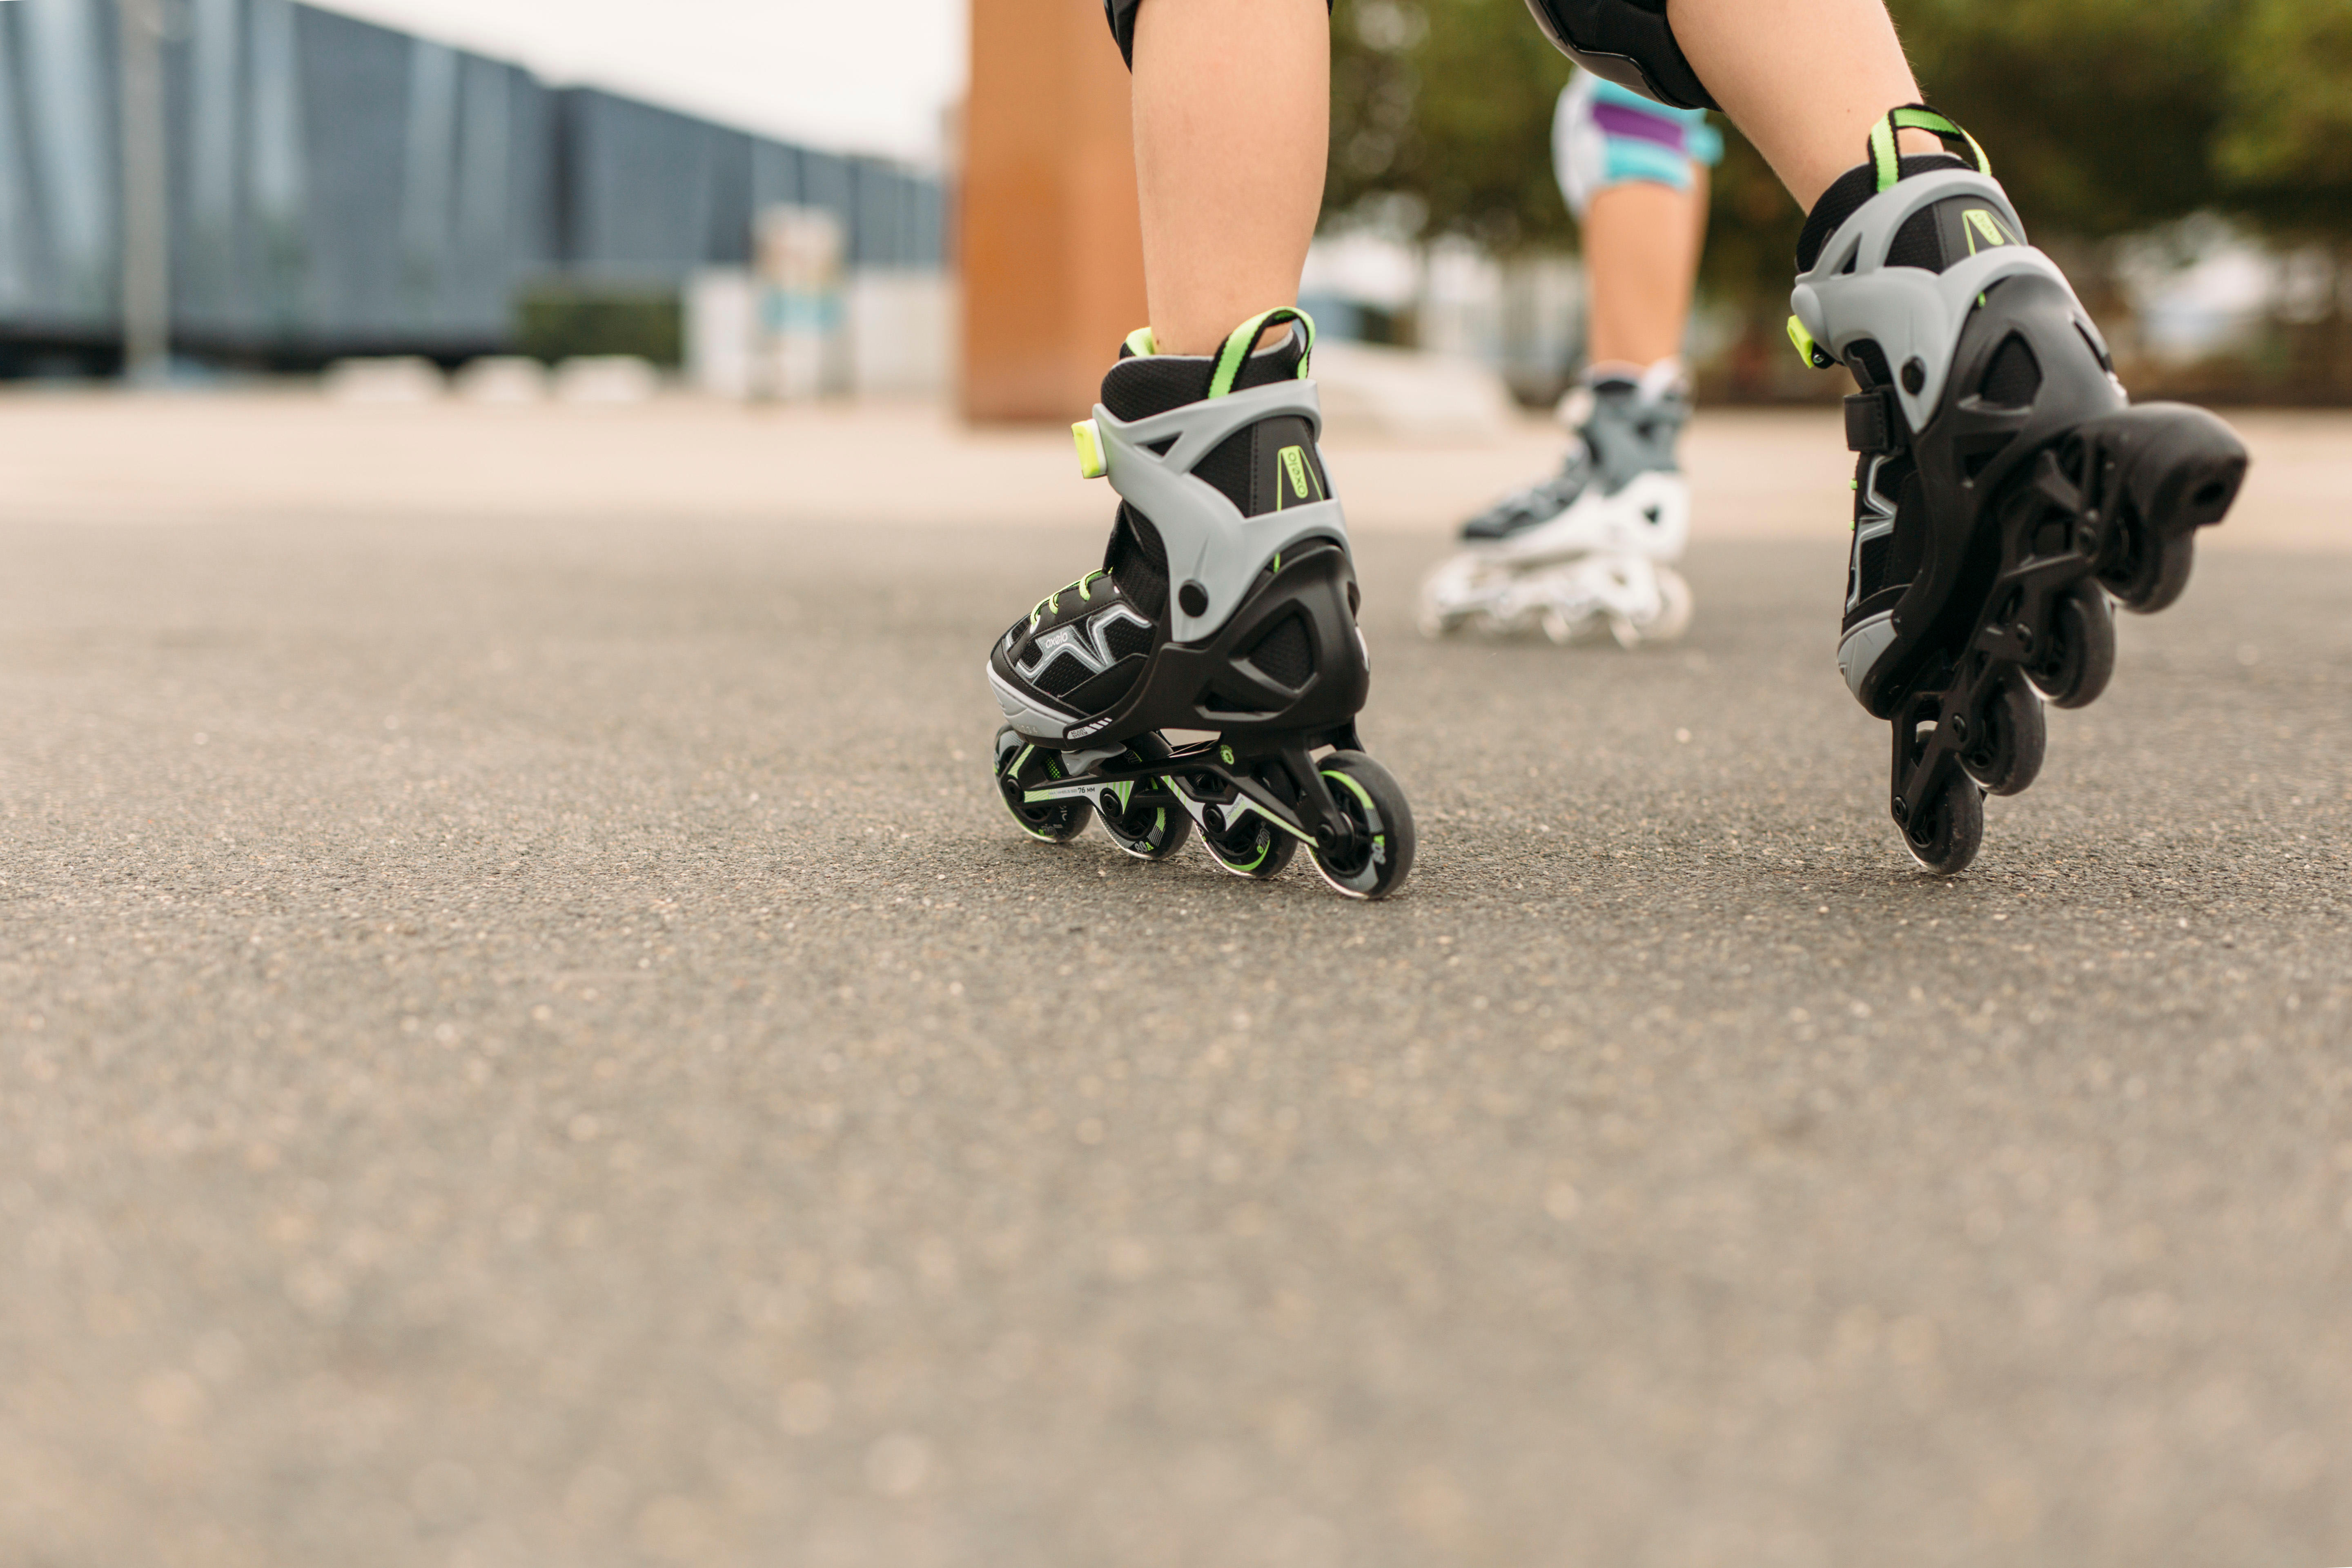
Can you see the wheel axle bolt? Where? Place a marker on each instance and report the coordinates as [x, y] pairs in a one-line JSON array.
[[1902, 811], [1110, 802]]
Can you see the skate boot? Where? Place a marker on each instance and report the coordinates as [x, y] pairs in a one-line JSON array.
[[1226, 604], [2007, 490], [1593, 546]]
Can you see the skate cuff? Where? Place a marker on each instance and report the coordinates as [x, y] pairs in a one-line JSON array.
[[1870, 423]]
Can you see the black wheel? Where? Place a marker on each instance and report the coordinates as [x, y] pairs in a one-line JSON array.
[[1253, 847], [1022, 765], [2004, 755], [1145, 830], [1945, 832], [1380, 859], [2077, 654], [2154, 569]]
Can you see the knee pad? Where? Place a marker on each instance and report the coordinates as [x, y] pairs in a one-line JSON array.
[[1628, 42], [1605, 135], [1120, 14]]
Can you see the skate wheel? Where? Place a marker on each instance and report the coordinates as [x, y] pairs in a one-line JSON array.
[[2005, 754], [1022, 765], [2077, 654], [1148, 830], [2155, 572], [1382, 858], [1448, 598], [1676, 607], [1435, 623], [1945, 832], [1256, 849]]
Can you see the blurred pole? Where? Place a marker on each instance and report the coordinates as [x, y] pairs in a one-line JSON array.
[[146, 197], [1052, 245]]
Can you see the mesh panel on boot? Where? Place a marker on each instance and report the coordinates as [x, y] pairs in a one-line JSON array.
[[1139, 560]]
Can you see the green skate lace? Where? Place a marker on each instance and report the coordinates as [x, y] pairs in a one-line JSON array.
[[1052, 602]]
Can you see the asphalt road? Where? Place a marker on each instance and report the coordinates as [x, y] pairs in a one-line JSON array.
[[532, 1044]]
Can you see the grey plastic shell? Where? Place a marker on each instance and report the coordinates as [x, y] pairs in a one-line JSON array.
[[1910, 312], [1208, 539]]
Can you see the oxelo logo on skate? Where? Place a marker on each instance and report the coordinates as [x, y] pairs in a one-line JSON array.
[[1294, 468], [1986, 225]]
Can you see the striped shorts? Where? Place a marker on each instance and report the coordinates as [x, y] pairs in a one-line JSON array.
[[1605, 135]]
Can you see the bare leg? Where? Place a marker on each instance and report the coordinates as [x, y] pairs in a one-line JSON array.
[[1806, 80], [1640, 255], [1233, 116]]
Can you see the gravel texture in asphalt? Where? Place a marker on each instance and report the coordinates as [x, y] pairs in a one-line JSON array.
[[537, 1044]]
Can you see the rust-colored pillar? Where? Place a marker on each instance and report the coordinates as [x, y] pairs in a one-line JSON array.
[[1052, 247]]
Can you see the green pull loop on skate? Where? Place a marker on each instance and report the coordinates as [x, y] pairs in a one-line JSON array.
[[1244, 338], [1885, 158]]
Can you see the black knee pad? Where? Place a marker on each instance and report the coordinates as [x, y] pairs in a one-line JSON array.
[[1120, 14], [1627, 41]]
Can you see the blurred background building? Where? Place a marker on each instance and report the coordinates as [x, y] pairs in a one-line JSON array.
[[302, 186], [335, 188]]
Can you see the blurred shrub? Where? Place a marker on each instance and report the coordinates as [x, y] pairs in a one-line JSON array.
[[556, 321], [2285, 149]]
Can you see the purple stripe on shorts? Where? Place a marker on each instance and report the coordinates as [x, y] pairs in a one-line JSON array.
[[1617, 120]]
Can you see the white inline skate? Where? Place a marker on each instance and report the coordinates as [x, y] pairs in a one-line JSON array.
[[1592, 548]]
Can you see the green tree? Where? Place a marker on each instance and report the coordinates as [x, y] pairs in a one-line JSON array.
[[1447, 102], [2284, 151]]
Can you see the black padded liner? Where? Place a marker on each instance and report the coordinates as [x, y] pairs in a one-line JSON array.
[[1146, 385], [1139, 560], [1919, 242], [2013, 376], [1848, 192], [1139, 385], [1868, 363], [1228, 465]]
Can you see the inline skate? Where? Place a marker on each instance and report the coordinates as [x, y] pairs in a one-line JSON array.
[[1592, 547], [1225, 605], [2007, 490]]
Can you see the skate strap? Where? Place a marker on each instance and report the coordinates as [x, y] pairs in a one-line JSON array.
[[1869, 423], [1243, 339], [1885, 161]]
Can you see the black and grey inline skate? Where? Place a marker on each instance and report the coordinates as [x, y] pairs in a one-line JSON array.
[[2007, 487], [1225, 606]]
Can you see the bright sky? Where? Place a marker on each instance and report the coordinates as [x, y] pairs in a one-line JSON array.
[[859, 75]]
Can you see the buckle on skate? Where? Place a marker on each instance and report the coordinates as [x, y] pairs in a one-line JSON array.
[[1093, 464], [1870, 423]]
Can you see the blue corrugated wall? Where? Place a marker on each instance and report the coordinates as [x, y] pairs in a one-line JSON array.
[[340, 187]]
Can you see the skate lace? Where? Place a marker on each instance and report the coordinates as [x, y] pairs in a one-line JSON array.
[[1051, 605]]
